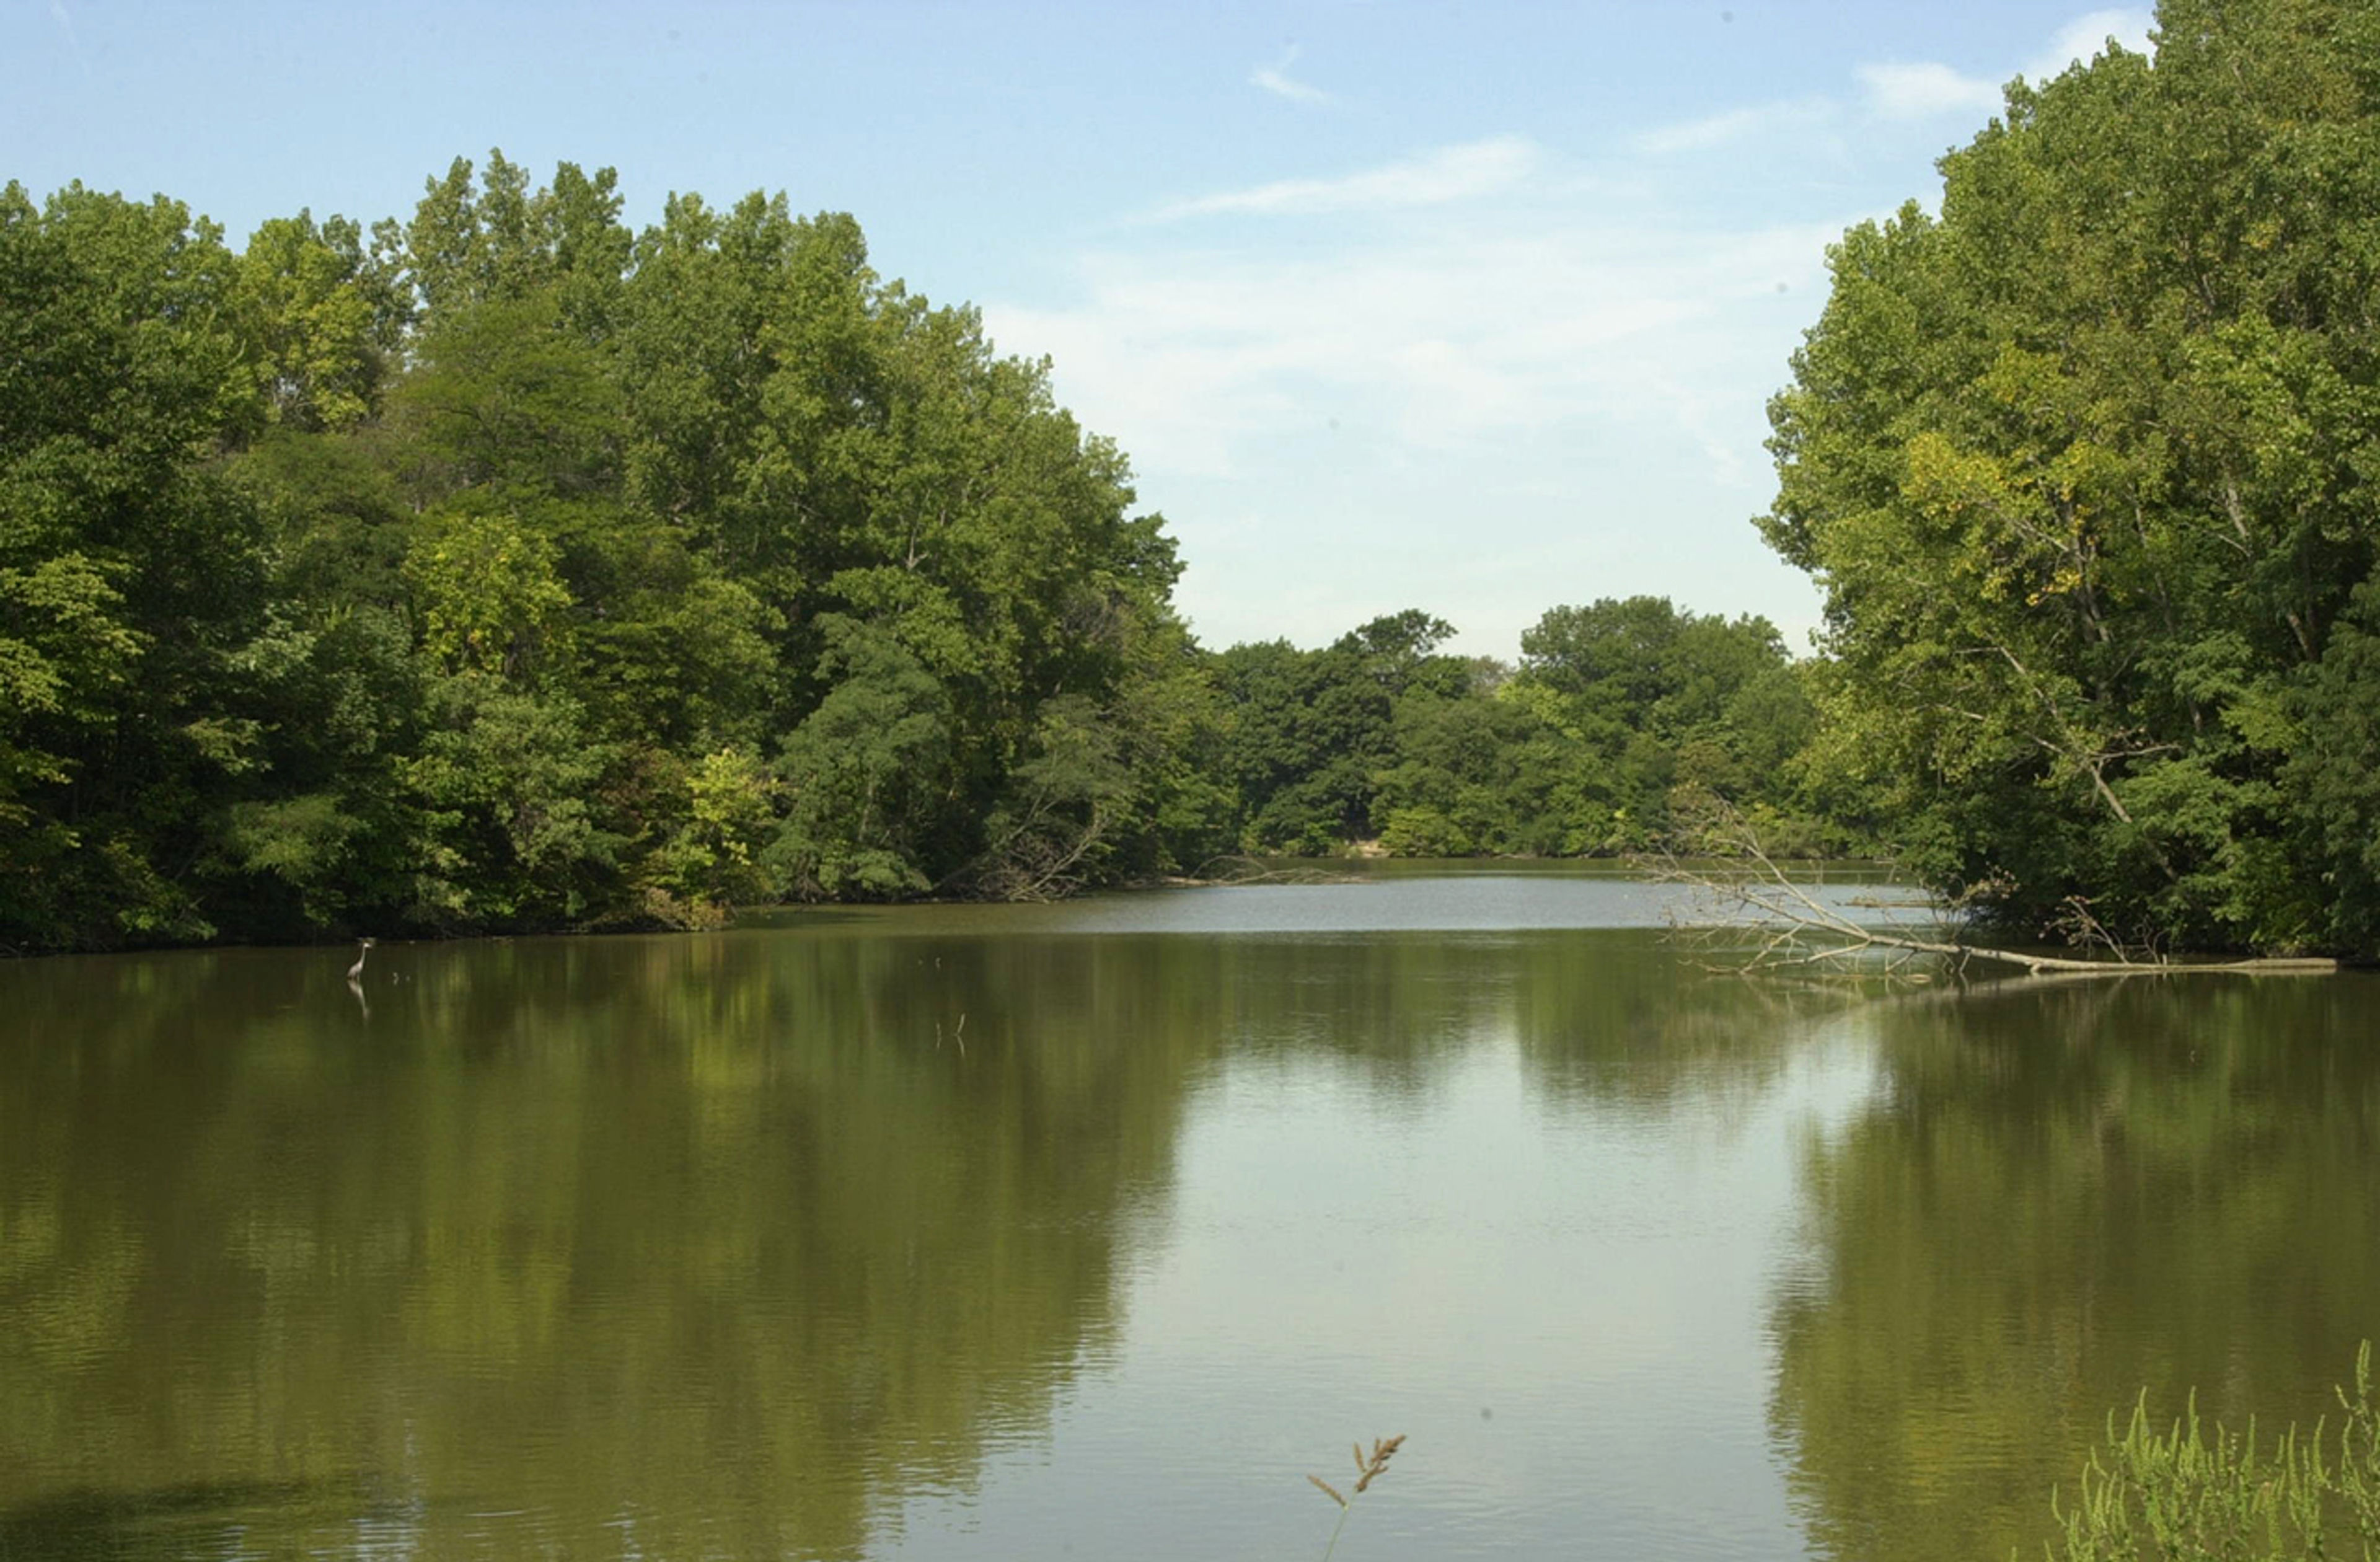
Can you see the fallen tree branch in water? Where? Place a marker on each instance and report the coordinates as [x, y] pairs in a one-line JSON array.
[[1235, 869], [1801, 930]]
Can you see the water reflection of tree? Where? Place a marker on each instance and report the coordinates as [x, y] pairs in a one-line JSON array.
[[1603, 1018], [742, 1238], [2064, 1195], [1628, 1019], [718, 1234]]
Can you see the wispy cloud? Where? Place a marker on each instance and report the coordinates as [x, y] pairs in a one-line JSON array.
[[1519, 378], [1275, 79], [1918, 90], [1492, 404], [66, 26], [1445, 333], [1735, 124], [1450, 173], [2085, 38], [1923, 89]]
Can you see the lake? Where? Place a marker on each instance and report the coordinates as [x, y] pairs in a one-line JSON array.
[[1094, 1229]]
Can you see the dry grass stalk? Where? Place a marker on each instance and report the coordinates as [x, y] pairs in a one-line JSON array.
[[1368, 1468], [1381, 1449]]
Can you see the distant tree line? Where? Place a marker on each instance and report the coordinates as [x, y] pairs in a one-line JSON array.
[[1614, 708]]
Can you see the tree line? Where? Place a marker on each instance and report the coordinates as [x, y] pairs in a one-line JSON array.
[[503, 567], [1616, 711]]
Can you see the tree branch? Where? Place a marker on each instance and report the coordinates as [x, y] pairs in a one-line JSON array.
[[1799, 930]]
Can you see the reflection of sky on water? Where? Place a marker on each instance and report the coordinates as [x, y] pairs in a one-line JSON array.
[[1374, 902], [1559, 1297]]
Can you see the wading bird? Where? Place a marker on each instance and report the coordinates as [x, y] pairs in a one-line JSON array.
[[363, 953]]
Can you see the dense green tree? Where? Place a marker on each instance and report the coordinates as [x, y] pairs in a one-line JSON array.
[[1455, 786], [855, 456], [2087, 465], [324, 318], [866, 771], [1641, 664], [502, 567], [1311, 729], [1381, 736], [1651, 698], [131, 573]]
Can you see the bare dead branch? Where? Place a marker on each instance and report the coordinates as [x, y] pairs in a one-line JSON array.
[[1797, 930]]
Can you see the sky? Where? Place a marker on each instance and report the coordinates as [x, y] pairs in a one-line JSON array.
[[1476, 308]]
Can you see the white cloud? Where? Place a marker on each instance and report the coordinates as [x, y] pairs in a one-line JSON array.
[[1444, 336], [1454, 173], [1735, 124], [1492, 409], [1275, 79], [1923, 89], [2085, 38]]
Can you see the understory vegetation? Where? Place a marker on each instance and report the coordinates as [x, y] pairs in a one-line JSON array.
[[505, 568]]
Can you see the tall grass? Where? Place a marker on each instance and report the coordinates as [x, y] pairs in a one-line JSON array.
[[2185, 1495]]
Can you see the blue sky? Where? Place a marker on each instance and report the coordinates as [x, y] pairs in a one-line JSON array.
[[1473, 309]]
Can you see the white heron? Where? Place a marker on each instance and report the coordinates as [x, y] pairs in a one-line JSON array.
[[363, 953]]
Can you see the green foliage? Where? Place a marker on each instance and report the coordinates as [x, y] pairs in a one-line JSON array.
[[507, 811], [1310, 730], [130, 574], [324, 319], [714, 859], [1306, 729], [1615, 705], [1457, 781], [1652, 698], [2086, 467], [2332, 776], [503, 567], [1050, 833], [866, 772], [491, 599], [2187, 1497]]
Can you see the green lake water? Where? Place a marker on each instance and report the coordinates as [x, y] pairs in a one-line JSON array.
[[1092, 1229]]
